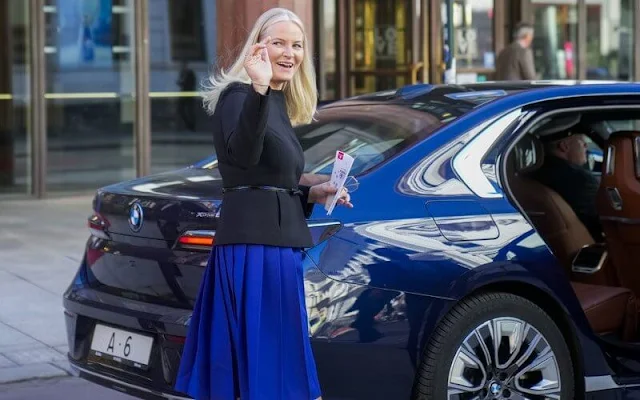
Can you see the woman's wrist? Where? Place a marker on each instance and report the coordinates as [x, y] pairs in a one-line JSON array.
[[313, 194], [260, 87]]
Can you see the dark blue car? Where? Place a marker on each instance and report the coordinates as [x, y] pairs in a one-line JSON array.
[[456, 276]]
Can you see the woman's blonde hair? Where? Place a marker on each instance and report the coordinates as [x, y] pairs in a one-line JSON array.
[[300, 94]]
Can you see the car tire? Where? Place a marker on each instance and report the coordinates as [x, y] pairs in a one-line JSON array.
[[455, 359]]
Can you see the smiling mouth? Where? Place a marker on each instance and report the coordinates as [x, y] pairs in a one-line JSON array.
[[286, 65]]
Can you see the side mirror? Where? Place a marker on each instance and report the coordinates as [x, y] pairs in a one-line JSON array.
[[590, 259]]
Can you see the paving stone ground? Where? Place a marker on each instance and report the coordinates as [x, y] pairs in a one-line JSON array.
[[41, 244]]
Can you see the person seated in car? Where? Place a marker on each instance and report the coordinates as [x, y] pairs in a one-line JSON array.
[[564, 170]]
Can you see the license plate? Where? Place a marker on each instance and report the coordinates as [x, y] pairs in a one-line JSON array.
[[122, 346]]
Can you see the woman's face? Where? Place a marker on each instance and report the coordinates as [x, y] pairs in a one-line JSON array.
[[285, 50]]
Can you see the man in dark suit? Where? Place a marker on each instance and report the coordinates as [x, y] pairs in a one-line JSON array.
[[564, 170], [515, 62]]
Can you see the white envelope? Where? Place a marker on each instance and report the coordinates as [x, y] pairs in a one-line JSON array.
[[339, 175]]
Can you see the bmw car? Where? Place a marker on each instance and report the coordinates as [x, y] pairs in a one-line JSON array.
[[457, 275]]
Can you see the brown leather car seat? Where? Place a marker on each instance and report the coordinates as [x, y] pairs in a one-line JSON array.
[[550, 214], [609, 309], [618, 203]]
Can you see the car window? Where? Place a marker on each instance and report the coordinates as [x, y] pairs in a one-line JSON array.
[[595, 153], [624, 125], [374, 131], [594, 156], [371, 134], [591, 145], [368, 140]]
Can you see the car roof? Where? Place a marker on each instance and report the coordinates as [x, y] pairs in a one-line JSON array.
[[470, 91], [477, 100]]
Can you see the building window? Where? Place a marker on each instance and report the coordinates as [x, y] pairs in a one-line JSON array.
[[325, 45], [555, 40], [186, 30], [382, 45], [473, 33], [182, 42], [610, 40], [15, 154], [90, 74]]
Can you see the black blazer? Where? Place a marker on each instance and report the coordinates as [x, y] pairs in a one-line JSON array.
[[256, 146]]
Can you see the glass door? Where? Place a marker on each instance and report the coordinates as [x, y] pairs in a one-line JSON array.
[[89, 61], [473, 38], [182, 36], [382, 52], [555, 44], [610, 44], [15, 154]]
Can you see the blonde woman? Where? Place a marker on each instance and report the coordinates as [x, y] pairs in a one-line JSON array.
[[248, 337]]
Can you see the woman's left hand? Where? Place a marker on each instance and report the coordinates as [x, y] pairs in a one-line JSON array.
[[322, 192]]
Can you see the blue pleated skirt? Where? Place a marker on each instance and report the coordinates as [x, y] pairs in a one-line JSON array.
[[248, 337]]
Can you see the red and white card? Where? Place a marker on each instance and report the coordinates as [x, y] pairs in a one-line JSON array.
[[341, 167]]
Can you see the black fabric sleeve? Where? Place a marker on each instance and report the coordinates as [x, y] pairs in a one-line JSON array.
[[304, 199], [244, 115]]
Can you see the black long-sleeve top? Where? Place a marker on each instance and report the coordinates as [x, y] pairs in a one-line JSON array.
[[256, 146]]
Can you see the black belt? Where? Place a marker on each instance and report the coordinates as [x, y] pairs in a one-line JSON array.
[[293, 192]]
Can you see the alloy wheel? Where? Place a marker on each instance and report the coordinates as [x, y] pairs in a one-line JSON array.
[[504, 358]]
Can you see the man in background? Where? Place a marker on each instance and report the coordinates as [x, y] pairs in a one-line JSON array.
[[515, 62]]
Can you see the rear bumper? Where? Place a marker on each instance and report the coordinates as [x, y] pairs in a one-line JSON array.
[[116, 382], [134, 314], [85, 307]]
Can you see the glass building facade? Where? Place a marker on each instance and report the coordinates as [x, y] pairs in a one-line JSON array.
[[93, 92]]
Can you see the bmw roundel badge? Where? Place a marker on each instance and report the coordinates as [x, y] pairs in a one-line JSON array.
[[135, 217]]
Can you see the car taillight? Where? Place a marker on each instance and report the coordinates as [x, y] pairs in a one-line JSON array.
[[98, 226], [176, 339], [197, 240]]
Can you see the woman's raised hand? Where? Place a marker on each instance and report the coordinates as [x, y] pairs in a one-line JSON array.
[[258, 65]]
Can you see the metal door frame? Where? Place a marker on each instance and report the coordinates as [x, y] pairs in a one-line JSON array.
[[38, 104]]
